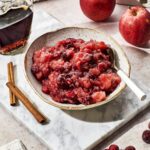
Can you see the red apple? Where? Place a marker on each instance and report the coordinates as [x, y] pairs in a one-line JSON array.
[[134, 25], [97, 10]]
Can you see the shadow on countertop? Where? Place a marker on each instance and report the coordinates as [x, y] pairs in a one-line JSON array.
[[123, 106]]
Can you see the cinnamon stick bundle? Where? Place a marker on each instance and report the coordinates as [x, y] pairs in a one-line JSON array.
[[11, 79], [38, 116]]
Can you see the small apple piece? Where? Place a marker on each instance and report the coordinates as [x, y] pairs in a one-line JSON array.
[[97, 10], [134, 25]]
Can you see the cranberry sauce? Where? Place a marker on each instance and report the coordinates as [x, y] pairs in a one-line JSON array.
[[14, 29], [75, 71]]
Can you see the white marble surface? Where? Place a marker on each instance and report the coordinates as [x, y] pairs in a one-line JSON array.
[[11, 129], [78, 129], [14, 145]]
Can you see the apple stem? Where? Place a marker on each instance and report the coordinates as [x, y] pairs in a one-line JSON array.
[[132, 11], [130, 7]]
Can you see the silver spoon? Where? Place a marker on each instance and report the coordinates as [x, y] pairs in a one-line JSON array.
[[138, 92]]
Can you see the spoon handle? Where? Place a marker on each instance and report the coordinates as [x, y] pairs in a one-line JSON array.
[[138, 92]]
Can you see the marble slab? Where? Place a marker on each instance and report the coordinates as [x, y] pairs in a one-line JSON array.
[[75, 130], [14, 145]]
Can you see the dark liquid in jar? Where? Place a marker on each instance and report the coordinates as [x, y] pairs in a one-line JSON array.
[[14, 29]]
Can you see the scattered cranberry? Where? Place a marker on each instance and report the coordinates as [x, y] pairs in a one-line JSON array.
[[113, 147], [130, 148], [149, 125], [146, 136]]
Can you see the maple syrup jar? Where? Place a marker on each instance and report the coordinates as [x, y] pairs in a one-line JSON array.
[[15, 25]]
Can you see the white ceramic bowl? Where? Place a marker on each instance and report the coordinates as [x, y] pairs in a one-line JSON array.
[[49, 39]]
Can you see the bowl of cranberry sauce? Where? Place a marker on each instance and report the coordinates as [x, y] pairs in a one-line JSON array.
[[71, 69]]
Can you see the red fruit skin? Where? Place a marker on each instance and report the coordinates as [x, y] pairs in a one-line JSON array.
[[135, 29], [113, 147], [97, 10], [130, 148], [149, 125]]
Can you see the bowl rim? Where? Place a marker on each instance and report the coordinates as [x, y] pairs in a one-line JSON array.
[[77, 107]]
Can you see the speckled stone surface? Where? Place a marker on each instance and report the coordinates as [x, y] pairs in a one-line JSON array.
[[78, 129], [134, 137]]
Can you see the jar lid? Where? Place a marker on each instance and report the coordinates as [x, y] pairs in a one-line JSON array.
[[6, 5]]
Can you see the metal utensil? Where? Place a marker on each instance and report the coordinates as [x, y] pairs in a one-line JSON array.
[[138, 92]]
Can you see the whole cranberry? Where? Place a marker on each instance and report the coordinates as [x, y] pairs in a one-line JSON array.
[[130, 148], [149, 125], [113, 147], [146, 136]]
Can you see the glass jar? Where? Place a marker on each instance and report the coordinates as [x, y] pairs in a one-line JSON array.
[[15, 25]]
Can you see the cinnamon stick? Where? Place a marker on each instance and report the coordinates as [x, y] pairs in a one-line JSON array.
[[38, 116], [11, 79]]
